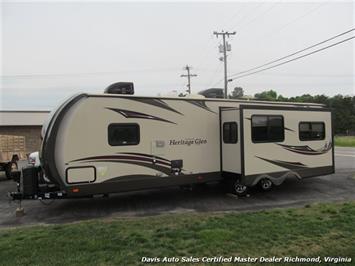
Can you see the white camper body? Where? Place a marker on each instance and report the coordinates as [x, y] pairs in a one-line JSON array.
[[107, 143]]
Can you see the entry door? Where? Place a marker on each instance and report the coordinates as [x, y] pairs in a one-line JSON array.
[[230, 140]]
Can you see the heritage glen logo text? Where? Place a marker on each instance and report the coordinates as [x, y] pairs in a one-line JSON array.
[[188, 142]]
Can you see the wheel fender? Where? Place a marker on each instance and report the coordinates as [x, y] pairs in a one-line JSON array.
[[277, 180]]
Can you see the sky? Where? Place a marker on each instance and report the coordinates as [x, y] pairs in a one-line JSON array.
[[51, 50]]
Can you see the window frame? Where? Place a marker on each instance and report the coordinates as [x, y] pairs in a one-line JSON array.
[[123, 124], [310, 122], [230, 123], [268, 130]]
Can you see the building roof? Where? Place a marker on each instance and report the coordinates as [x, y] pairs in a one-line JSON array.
[[23, 117]]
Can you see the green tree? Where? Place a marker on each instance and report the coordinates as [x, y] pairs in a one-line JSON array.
[[270, 95], [238, 92], [343, 107], [305, 98], [280, 98]]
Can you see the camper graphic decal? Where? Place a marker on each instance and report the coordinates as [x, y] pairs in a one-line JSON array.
[[306, 150], [289, 129], [201, 104], [130, 178], [152, 157], [145, 160], [285, 164], [133, 114], [155, 102]]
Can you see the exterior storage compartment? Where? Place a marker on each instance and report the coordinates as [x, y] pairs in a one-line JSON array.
[[85, 174]]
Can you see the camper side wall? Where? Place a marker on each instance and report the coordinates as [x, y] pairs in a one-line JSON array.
[[117, 144], [281, 142]]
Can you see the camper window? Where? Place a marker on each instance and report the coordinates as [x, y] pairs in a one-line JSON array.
[[267, 128], [311, 131], [230, 132], [123, 134]]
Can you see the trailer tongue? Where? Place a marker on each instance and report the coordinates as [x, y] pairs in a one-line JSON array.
[[30, 185]]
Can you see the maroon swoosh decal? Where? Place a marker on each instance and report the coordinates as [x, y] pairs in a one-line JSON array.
[[306, 150], [130, 178], [285, 164], [159, 168], [118, 157], [286, 128], [133, 114], [145, 155], [201, 104], [155, 102]]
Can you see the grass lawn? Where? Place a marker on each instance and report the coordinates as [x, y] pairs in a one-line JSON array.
[[316, 230], [344, 141]]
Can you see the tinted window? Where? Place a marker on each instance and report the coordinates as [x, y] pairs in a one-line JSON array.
[[267, 128], [123, 134], [230, 132], [259, 128], [311, 131], [276, 128]]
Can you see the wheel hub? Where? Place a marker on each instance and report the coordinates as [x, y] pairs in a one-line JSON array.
[[266, 183], [239, 188]]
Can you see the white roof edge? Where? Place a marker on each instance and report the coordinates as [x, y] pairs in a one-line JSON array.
[[208, 99]]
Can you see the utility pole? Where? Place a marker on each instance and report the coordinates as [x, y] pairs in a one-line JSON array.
[[224, 48], [187, 68]]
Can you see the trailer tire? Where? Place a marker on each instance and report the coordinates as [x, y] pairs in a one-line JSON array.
[[239, 189], [265, 184], [235, 187], [10, 167]]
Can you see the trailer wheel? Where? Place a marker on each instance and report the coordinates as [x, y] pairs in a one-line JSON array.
[[265, 184], [239, 189], [10, 167]]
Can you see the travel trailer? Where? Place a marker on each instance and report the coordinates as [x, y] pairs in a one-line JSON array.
[[116, 142]]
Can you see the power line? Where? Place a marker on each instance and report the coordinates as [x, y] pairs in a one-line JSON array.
[[308, 75], [202, 59], [297, 52], [258, 16], [282, 27], [213, 76], [237, 14], [299, 57], [246, 15], [310, 11]]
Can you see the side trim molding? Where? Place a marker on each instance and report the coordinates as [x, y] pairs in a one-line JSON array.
[[136, 183], [279, 177]]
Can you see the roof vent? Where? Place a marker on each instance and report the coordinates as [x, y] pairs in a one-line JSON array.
[[120, 88]]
